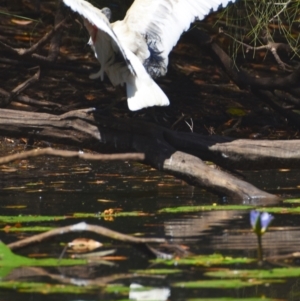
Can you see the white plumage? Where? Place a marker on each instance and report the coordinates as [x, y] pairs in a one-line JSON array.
[[135, 49]]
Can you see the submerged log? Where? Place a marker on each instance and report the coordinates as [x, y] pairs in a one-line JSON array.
[[164, 149]]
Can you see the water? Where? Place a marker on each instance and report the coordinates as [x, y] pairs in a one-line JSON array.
[[62, 187]]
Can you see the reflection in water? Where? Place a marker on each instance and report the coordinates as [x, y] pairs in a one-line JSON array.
[[231, 230], [54, 186], [276, 241], [188, 228]]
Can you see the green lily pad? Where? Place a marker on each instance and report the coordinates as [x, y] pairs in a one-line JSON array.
[[292, 201], [46, 288], [257, 274], [157, 271], [205, 260], [27, 229], [182, 209], [223, 283], [233, 299], [281, 210], [116, 214], [117, 289], [28, 218], [9, 261]]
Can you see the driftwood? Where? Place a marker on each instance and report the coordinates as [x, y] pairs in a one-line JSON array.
[[70, 154], [169, 151], [80, 227]]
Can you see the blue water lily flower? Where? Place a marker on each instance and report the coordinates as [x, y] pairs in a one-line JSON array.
[[260, 221]]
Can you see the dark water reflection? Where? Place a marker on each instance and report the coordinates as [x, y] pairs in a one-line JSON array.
[[52, 186]]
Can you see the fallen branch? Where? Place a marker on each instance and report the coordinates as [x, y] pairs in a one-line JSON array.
[[80, 227], [196, 169], [71, 154], [17, 90], [7, 96]]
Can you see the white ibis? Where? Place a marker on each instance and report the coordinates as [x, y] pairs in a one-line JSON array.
[[135, 49]]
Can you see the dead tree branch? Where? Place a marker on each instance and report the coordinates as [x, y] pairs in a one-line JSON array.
[[70, 154], [8, 96]]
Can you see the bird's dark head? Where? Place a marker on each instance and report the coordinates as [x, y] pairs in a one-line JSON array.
[[107, 12]]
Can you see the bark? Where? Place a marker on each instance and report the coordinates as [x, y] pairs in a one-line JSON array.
[[166, 150]]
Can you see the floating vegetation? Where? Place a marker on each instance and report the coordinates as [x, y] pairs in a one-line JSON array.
[[46, 288], [183, 209], [276, 273], [224, 283], [205, 260], [9, 261], [29, 218]]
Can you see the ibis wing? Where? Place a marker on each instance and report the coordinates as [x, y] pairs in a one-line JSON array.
[[163, 21], [95, 17]]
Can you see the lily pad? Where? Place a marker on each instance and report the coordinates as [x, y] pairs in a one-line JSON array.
[[9, 261], [26, 229], [292, 201], [281, 210], [182, 209], [46, 288], [233, 299], [28, 218], [115, 214], [205, 260], [223, 283], [257, 274], [157, 271]]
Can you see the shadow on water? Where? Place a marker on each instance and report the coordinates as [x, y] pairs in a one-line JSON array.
[[62, 187]]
